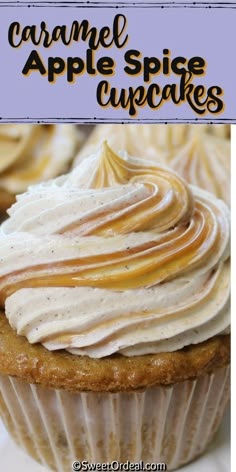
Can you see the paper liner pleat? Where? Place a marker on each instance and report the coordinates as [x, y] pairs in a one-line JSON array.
[[167, 425]]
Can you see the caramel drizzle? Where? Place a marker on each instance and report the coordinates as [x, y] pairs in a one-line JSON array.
[[136, 318], [178, 251]]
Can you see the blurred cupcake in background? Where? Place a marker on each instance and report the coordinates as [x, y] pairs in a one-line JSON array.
[[199, 153], [33, 153], [222, 131]]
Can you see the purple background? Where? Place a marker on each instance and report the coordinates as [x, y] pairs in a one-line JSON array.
[[171, 2], [185, 31]]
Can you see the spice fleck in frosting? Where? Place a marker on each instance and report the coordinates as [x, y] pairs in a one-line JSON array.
[[121, 255]]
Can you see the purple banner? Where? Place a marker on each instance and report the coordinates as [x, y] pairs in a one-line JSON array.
[[117, 62]]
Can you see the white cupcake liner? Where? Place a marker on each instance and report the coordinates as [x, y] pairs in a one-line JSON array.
[[167, 425]]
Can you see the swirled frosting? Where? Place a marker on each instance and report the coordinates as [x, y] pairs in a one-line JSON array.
[[33, 153], [200, 153], [121, 255]]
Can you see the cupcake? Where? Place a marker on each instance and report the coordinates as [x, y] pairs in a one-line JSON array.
[[33, 153], [199, 153], [114, 290]]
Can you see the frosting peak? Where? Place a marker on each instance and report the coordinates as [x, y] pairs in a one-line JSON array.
[[199, 153], [121, 255]]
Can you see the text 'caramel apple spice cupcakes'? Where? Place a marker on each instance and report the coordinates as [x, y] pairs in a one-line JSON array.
[[33, 153], [199, 153], [114, 287]]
